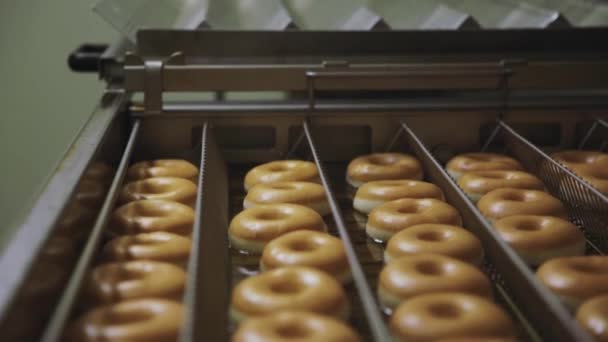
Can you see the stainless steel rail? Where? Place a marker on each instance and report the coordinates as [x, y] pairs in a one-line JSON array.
[[56, 326], [377, 325], [206, 297], [598, 124], [549, 318], [587, 206]]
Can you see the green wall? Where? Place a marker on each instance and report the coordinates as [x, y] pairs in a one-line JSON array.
[[42, 103]]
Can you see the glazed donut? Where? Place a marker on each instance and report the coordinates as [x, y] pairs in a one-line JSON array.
[[475, 184], [382, 166], [157, 246], [307, 248], [539, 238], [59, 249], [451, 241], [162, 188], [75, 221], [375, 193], [505, 202], [290, 325], [289, 288], [574, 159], [163, 168], [478, 339], [593, 317], [150, 320], [410, 276], [575, 279], [146, 216], [99, 171], [391, 217], [90, 193], [596, 176], [120, 281], [307, 194], [480, 161], [436, 316], [282, 171], [253, 228]]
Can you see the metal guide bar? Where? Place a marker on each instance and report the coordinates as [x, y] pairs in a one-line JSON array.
[[594, 127], [55, 327], [374, 316], [587, 205], [551, 319], [206, 297]]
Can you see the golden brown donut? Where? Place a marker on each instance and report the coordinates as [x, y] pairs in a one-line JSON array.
[[307, 248], [99, 171], [308, 194], [289, 288], [160, 188], [163, 168], [578, 158], [138, 320], [146, 216], [75, 221], [575, 279], [593, 317], [413, 275], [282, 171], [290, 325], [253, 228], [91, 193], [480, 161], [505, 202], [391, 217], [478, 339], [382, 166], [436, 316], [448, 240], [540, 238], [595, 175], [157, 246], [120, 281], [375, 193], [475, 184]]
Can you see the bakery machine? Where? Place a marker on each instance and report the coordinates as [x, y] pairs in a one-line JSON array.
[[228, 100]]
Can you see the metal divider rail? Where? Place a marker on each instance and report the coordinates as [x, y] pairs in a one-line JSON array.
[[587, 206], [376, 322], [55, 328], [549, 318]]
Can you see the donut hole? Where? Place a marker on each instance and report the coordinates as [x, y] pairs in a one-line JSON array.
[[445, 310], [271, 216], [590, 268], [432, 236], [283, 186], [429, 268], [515, 196], [293, 330], [279, 168], [528, 226], [494, 175], [408, 209], [303, 246], [124, 317], [285, 287], [382, 161]]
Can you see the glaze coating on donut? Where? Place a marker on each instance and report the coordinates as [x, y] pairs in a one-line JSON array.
[[282, 171], [372, 194], [479, 161], [540, 238], [478, 183], [163, 168], [146, 216], [505, 202], [140, 320], [160, 188], [575, 279], [391, 217], [307, 194], [593, 317], [289, 288], [253, 228], [383, 166], [410, 276], [307, 248], [577, 158], [120, 281], [157, 246], [448, 240], [434, 317], [290, 325]]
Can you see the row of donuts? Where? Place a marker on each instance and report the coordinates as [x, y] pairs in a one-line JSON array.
[[431, 282], [298, 292], [135, 292], [535, 225]]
